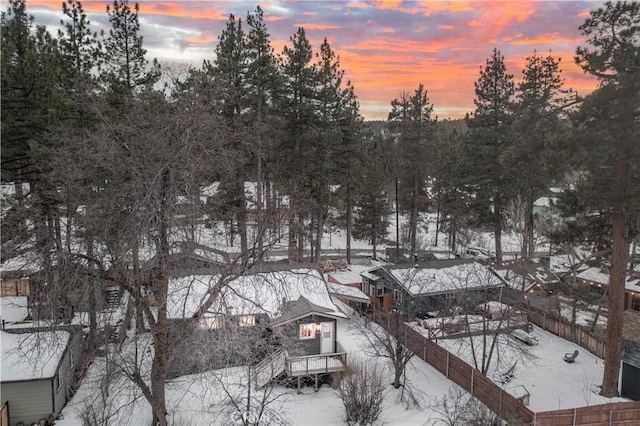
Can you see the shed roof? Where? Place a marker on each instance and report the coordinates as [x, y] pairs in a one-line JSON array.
[[458, 277], [31, 356]]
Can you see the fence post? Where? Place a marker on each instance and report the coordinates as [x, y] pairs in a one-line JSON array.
[[424, 349], [472, 376], [575, 412]]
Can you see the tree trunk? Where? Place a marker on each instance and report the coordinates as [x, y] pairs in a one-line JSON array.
[[92, 338], [259, 208], [528, 225], [293, 232], [413, 225], [349, 217], [497, 222], [619, 256], [160, 365]]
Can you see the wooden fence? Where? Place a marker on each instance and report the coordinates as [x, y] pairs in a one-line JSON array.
[[4, 414], [473, 381], [576, 334], [618, 414], [493, 396]]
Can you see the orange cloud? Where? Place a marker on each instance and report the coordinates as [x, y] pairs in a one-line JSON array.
[[309, 13], [274, 18], [446, 27], [355, 5], [317, 26], [176, 9], [387, 4], [202, 38], [549, 38], [388, 30], [430, 6], [584, 14], [402, 46]]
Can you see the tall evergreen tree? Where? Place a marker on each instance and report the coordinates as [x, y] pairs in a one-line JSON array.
[[609, 124], [229, 71], [299, 112], [127, 69], [372, 202], [263, 86], [411, 119], [489, 136], [81, 51], [31, 106], [532, 160]]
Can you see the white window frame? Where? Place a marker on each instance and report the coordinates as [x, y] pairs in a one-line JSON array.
[[209, 323], [380, 290], [397, 296], [247, 320], [307, 328]]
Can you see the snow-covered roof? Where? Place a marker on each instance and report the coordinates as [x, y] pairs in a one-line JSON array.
[[349, 276], [595, 275], [369, 275], [30, 356], [13, 308], [545, 201], [494, 306], [348, 292], [455, 278], [262, 293]]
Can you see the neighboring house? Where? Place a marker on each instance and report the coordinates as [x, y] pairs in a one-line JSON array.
[[288, 313], [525, 275], [38, 372], [597, 278], [432, 286]]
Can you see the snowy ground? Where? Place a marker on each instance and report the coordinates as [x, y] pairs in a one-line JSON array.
[[195, 400], [552, 383]]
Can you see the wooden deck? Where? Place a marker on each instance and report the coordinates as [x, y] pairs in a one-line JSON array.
[[315, 364]]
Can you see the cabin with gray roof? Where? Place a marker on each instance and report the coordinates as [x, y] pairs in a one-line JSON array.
[[430, 286], [287, 314]]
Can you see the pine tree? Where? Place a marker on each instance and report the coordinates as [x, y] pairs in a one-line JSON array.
[[126, 69], [372, 202], [609, 124], [229, 72], [489, 136], [263, 85], [81, 52], [410, 118], [31, 107], [532, 160], [299, 111]]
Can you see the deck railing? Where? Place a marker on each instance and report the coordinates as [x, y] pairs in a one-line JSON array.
[[316, 364]]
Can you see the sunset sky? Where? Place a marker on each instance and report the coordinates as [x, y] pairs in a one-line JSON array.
[[385, 46]]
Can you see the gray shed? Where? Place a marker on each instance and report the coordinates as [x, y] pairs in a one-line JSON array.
[[38, 372], [630, 375]]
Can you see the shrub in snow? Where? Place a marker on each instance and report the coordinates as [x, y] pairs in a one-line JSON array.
[[362, 391]]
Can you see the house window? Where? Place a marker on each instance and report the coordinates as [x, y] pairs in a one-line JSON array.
[[380, 290], [397, 296], [59, 382], [307, 331], [247, 320], [209, 323], [450, 295]]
